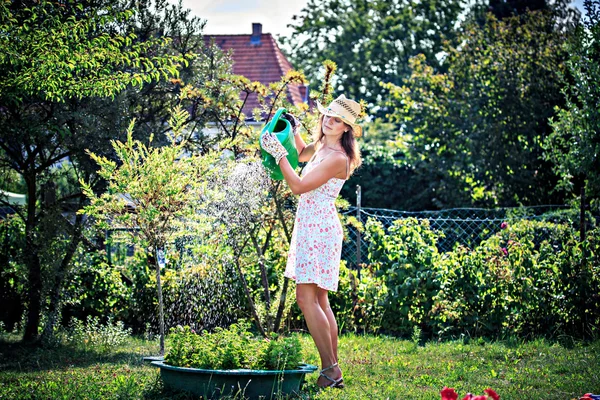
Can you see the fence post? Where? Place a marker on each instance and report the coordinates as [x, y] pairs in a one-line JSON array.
[[358, 239], [108, 248]]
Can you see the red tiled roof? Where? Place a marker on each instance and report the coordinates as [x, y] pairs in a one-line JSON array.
[[263, 62]]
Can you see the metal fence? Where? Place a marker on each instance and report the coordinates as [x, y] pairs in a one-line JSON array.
[[466, 226]]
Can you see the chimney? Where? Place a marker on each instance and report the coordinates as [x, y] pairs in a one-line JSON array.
[[256, 32], [304, 93]]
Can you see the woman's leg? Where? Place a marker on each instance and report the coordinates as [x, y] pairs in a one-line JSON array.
[[333, 327], [319, 328]]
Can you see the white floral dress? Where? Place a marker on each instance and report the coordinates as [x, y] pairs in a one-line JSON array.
[[316, 246]]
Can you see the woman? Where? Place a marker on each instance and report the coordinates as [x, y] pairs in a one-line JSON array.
[[316, 246]]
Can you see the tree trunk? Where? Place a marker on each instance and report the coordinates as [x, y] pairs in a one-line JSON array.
[[249, 298], [264, 279], [59, 278], [282, 299], [152, 260], [284, 289], [32, 260]]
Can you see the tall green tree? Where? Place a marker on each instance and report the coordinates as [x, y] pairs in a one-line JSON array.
[[574, 144], [370, 41], [53, 56], [152, 191], [477, 129]]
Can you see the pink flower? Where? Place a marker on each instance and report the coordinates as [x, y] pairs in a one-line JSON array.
[[492, 393], [448, 394], [503, 225], [505, 251]]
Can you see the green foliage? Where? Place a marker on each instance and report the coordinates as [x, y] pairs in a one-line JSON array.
[[359, 303], [92, 335], [59, 63], [370, 41], [374, 364], [529, 279], [150, 188], [155, 193], [389, 179], [93, 288], [476, 130], [13, 275], [573, 145], [405, 257], [283, 352], [231, 348], [515, 283], [63, 51], [203, 296]]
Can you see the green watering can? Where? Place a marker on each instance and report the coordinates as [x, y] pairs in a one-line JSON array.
[[282, 129]]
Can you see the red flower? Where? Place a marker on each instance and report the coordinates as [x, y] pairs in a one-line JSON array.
[[469, 396], [503, 225], [448, 394], [492, 393], [481, 397]]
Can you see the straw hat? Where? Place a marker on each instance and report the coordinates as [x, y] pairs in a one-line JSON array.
[[346, 109]]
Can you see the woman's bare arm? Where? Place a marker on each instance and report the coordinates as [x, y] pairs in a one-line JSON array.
[[329, 168], [305, 152]]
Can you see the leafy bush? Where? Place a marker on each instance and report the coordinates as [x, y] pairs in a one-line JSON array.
[[94, 288], [231, 348], [405, 257], [359, 303], [13, 274], [529, 278], [515, 283], [93, 335]]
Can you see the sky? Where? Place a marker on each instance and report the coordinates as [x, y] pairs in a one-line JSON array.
[[236, 16]]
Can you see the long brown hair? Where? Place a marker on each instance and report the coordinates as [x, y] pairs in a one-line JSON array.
[[349, 144]]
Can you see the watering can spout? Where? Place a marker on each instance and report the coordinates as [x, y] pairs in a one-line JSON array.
[[282, 130]]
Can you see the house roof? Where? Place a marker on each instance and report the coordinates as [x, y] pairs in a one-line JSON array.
[[258, 58]]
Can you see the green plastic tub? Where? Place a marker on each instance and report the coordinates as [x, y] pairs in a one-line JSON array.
[[252, 384]]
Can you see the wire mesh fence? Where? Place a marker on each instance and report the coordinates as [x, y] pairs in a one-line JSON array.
[[465, 226]]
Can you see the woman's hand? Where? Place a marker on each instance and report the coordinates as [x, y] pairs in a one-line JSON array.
[[295, 122], [272, 146]]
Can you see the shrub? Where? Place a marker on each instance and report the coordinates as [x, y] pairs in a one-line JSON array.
[[231, 348], [527, 279], [359, 302], [13, 274], [405, 257], [93, 335], [94, 288]]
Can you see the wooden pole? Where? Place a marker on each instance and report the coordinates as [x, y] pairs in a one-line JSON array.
[[358, 238]]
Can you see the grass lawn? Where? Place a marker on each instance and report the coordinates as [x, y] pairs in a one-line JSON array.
[[374, 368]]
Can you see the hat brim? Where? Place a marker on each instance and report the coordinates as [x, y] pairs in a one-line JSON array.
[[356, 129]]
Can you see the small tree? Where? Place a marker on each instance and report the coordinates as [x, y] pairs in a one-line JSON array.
[[475, 130], [574, 143], [56, 58], [151, 192]]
